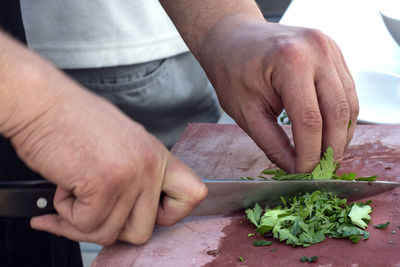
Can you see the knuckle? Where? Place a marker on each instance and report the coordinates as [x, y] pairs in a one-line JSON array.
[[319, 39], [311, 120], [150, 157], [290, 50], [341, 111]]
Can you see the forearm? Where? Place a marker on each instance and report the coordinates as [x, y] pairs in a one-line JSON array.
[[198, 20], [25, 93]]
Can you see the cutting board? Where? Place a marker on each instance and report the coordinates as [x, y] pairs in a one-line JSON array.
[[225, 151]]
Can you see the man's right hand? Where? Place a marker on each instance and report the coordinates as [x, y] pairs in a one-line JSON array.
[[108, 170]]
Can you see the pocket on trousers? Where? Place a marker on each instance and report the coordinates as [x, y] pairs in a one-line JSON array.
[[122, 85]]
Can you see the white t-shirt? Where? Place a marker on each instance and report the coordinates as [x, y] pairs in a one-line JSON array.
[[99, 33]]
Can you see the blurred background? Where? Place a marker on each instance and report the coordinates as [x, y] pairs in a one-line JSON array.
[[273, 9]]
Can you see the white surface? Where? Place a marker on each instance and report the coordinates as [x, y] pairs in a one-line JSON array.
[[390, 8], [357, 28], [391, 17], [379, 96], [366, 44]]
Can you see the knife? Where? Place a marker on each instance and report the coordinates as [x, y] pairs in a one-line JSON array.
[[227, 196], [26, 198], [34, 198]]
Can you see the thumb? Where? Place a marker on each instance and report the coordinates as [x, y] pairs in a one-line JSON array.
[[183, 192], [49, 223]]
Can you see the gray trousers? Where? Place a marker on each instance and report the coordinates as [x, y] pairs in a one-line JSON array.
[[163, 95]]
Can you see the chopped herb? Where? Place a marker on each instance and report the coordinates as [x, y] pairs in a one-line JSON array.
[[393, 232], [283, 118], [309, 259], [308, 219], [368, 179], [391, 242], [240, 258], [273, 250], [359, 215], [254, 215], [260, 243], [250, 234], [382, 225]]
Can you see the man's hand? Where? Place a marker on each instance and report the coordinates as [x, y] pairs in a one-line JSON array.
[[258, 68], [109, 171]]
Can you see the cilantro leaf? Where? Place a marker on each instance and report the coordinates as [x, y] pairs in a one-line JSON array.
[[325, 170], [326, 167], [369, 178], [348, 230], [348, 176], [270, 219], [359, 215], [259, 243], [308, 219], [382, 225], [309, 259], [254, 215]]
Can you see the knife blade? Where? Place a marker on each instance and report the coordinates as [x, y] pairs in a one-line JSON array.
[[226, 196]]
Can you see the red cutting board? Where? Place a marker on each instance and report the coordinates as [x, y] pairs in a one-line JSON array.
[[225, 151]]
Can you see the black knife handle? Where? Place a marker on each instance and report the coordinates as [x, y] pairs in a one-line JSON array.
[[19, 199]]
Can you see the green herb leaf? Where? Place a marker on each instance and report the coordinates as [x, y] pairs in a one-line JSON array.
[[369, 178], [273, 171], [273, 250], [240, 258], [326, 167], [250, 234], [309, 259], [348, 176], [262, 243], [308, 219], [247, 178], [254, 215], [270, 219], [359, 215], [325, 170], [382, 225]]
